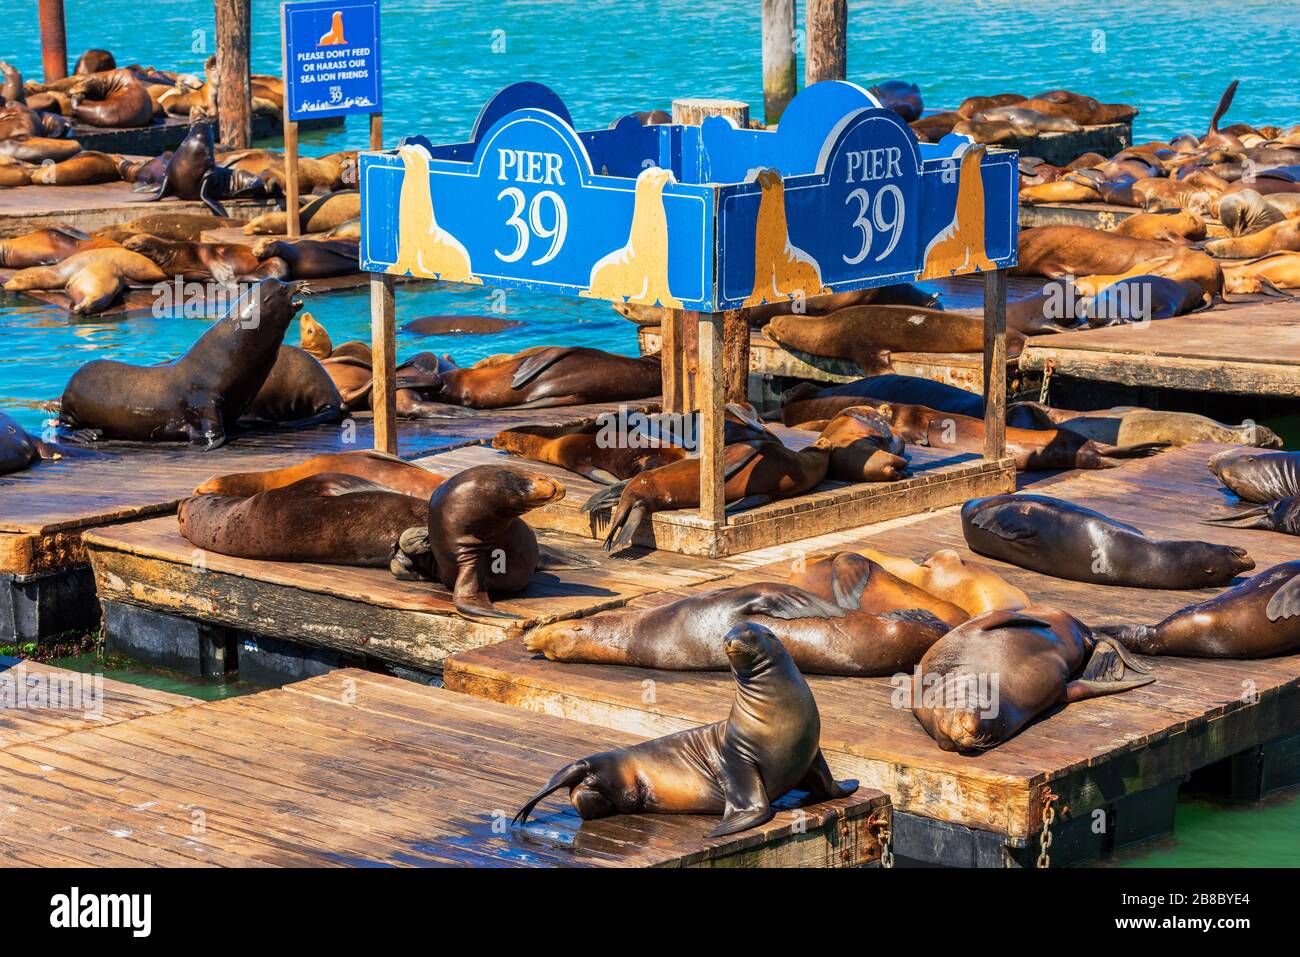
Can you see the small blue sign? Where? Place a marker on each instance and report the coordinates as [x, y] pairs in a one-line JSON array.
[[331, 58]]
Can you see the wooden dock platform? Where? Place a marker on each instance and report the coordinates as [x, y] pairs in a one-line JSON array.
[[1060, 149], [355, 769], [1250, 346], [166, 133], [1122, 755], [1092, 215]]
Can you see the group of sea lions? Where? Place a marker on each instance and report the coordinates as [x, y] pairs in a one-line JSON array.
[[1010, 116]]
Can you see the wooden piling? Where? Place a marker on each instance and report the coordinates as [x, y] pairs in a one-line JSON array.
[[826, 41], [780, 78], [995, 364], [693, 112], [234, 84], [54, 40], [383, 335]]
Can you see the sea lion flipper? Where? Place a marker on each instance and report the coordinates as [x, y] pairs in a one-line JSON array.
[[1083, 688], [412, 558], [1010, 524], [605, 498], [210, 193], [470, 597], [788, 603], [537, 363], [746, 503], [821, 784], [1104, 673], [1285, 602], [598, 475], [569, 776], [746, 799]]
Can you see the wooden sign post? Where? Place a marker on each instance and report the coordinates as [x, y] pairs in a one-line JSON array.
[[826, 41], [234, 82], [705, 219]]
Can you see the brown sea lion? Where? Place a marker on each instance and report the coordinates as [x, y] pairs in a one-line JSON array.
[[1184, 265], [978, 104], [92, 279], [1213, 139], [1255, 476], [1266, 274], [548, 376], [18, 449], [1068, 541], [856, 583], [144, 173], [114, 98], [310, 258], [1179, 226], [864, 447], [320, 215], [1028, 122], [197, 398], [39, 149], [1038, 656], [1134, 426], [1280, 237], [1256, 619], [378, 467], [821, 637], [990, 131], [768, 745], [177, 227], [758, 315], [348, 229], [459, 325], [94, 61], [11, 91], [1247, 211], [475, 543], [224, 262], [972, 587], [313, 338], [806, 402], [14, 175], [297, 392], [1060, 251], [350, 368], [585, 449], [1084, 110], [936, 126], [328, 519], [44, 247], [85, 169], [1069, 189], [755, 472]]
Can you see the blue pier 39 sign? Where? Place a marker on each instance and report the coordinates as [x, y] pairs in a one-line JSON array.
[[840, 196], [331, 58]]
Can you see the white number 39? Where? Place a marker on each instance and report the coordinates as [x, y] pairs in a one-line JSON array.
[[555, 232], [894, 224]]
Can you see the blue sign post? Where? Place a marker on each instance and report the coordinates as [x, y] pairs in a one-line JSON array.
[[702, 220]]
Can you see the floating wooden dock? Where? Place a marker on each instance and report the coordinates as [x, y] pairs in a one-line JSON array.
[[355, 769], [1092, 215], [1122, 755], [1243, 348], [166, 133], [1060, 149]]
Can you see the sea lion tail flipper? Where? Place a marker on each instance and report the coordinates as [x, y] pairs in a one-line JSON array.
[[412, 558], [821, 784], [470, 596], [1270, 288], [537, 363], [1105, 672], [1225, 102], [789, 603], [746, 799], [597, 475], [1255, 517], [624, 525], [605, 498], [569, 776]]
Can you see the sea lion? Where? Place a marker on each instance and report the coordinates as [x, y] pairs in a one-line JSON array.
[[114, 98], [1134, 426], [856, 583], [1038, 656], [868, 334], [1279, 515], [864, 447], [972, 587], [320, 215], [1058, 252], [87, 168], [806, 403], [768, 745], [94, 61], [1258, 477], [475, 543], [806, 306], [224, 262], [820, 636], [12, 89], [145, 173], [39, 149], [549, 376], [197, 398], [18, 449], [978, 104], [313, 338], [900, 96], [1247, 212], [1171, 226], [44, 247], [92, 278], [932, 128], [755, 473], [1027, 121], [350, 367], [1141, 299], [176, 227], [990, 132], [1065, 540], [298, 392], [1084, 110], [1213, 138], [329, 519], [1283, 236], [312, 258], [459, 325], [1266, 274], [193, 173], [1256, 619], [378, 467], [586, 449]]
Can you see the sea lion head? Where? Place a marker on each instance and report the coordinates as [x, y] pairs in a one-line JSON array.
[[751, 648], [1215, 561], [960, 729], [313, 337], [505, 493], [149, 246], [267, 298]]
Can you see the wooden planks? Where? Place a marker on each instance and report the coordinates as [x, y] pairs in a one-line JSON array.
[[356, 769], [1089, 754], [1243, 347], [39, 701], [88, 208]]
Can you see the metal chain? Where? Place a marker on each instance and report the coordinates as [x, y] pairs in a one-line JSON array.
[[1045, 836], [886, 838], [1047, 380]]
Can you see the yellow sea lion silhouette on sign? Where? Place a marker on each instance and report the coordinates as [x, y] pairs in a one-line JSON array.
[[959, 247], [335, 36], [423, 247], [781, 270], [638, 272]]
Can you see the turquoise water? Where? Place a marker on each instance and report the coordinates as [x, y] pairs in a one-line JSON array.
[[444, 58]]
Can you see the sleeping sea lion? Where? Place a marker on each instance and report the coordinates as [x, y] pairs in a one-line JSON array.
[[1266, 274], [378, 467], [298, 392], [44, 247], [864, 447], [972, 587], [38, 149], [1132, 426], [821, 637], [1065, 540], [197, 398], [92, 279], [1283, 236], [475, 543], [459, 325], [768, 745], [583, 448], [1258, 477], [18, 449], [806, 402], [328, 518], [1256, 619], [114, 98], [224, 262], [175, 227], [312, 258], [1141, 299], [856, 583], [1172, 226], [1084, 110], [1038, 656], [549, 376], [87, 168], [320, 215], [978, 104]]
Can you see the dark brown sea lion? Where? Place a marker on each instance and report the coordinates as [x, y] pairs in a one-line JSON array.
[[548, 376], [44, 247], [350, 367], [1247, 211], [85, 169], [972, 587], [821, 637], [459, 325], [224, 262], [1038, 656], [298, 392], [934, 127], [18, 449], [330, 519], [312, 258], [112, 99], [864, 447], [92, 279], [1279, 515], [1060, 251], [145, 174], [1256, 619], [1213, 139], [806, 403], [1142, 299], [475, 542], [94, 61], [1255, 476], [386, 470], [1084, 110], [768, 745], [900, 96], [1065, 540], [586, 450], [197, 398], [856, 583], [193, 173]]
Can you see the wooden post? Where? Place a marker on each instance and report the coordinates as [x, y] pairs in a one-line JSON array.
[[54, 40], [291, 175], [376, 131], [780, 78], [995, 364], [826, 41], [383, 346], [234, 85], [711, 388], [693, 112], [735, 354]]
